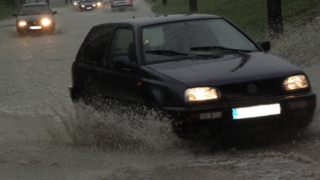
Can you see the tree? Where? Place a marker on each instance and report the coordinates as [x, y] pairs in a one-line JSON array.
[[193, 6], [275, 18], [164, 2], [10, 2]]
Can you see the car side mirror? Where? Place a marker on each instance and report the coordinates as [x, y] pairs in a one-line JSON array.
[[15, 15], [54, 12], [124, 62], [265, 45]]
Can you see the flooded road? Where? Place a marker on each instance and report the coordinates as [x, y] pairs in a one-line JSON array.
[[35, 73]]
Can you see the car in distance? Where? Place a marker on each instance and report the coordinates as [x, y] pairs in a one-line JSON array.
[[35, 17], [75, 2], [89, 4], [121, 5], [202, 70]]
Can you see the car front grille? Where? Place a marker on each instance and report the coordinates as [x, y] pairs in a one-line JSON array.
[[34, 23], [246, 91]]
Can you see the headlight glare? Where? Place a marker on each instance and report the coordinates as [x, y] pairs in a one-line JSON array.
[[295, 82], [201, 94], [22, 23], [45, 22]]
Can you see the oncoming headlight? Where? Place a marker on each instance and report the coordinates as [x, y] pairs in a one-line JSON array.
[[201, 94], [22, 23], [295, 82], [45, 22]]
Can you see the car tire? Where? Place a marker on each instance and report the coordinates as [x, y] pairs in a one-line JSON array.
[[19, 31], [302, 119], [52, 29]]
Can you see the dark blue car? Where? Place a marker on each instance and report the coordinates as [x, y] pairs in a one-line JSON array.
[[199, 69]]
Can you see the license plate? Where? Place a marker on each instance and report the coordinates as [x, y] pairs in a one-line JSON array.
[[35, 27], [256, 111], [88, 7]]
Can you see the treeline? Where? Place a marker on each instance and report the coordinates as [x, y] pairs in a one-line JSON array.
[[11, 2], [20, 2]]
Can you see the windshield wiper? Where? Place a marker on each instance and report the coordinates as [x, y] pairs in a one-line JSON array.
[[166, 53], [214, 48]]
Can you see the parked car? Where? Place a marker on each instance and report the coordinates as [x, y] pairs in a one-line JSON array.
[[199, 69], [89, 4], [121, 5], [35, 17]]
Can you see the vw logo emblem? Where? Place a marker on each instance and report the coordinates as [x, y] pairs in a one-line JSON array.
[[252, 89], [34, 23]]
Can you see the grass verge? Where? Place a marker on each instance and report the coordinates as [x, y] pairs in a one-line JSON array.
[[250, 15], [7, 11]]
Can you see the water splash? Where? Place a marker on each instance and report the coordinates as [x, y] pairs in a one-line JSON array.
[[299, 44], [121, 128]]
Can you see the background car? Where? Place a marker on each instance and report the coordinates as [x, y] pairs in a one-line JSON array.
[[202, 70], [121, 5], [75, 2], [35, 17], [89, 4]]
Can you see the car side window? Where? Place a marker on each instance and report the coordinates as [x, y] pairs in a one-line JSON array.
[[96, 44], [122, 44]]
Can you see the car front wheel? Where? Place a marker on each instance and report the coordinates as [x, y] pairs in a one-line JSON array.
[[19, 31]]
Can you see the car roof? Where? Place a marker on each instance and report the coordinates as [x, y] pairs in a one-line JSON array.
[[35, 4], [145, 21]]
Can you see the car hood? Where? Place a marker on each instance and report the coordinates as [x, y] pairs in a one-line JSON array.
[[35, 17], [227, 69]]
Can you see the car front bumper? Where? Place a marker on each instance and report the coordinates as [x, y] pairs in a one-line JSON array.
[[87, 7], [292, 107], [35, 27]]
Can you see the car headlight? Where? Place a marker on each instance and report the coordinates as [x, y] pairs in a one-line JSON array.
[[295, 82], [75, 3], [22, 23], [98, 4], [94, 5], [45, 22], [201, 94], [83, 6]]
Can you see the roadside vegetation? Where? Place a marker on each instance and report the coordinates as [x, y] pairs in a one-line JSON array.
[[250, 15], [6, 11]]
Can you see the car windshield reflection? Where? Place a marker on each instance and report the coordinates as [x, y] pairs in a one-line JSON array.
[[165, 42], [30, 10]]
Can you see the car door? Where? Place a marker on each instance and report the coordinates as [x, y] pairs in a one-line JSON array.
[[92, 55], [121, 83]]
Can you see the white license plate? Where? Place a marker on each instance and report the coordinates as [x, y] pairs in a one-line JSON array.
[[256, 111], [88, 7], [35, 27]]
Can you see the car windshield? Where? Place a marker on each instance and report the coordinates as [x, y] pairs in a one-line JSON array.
[[189, 39], [86, 1], [29, 10]]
